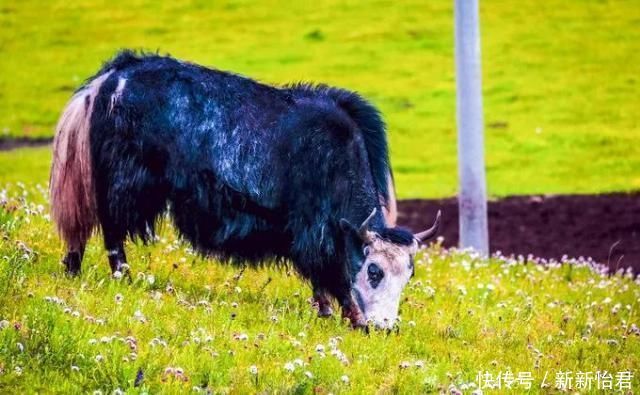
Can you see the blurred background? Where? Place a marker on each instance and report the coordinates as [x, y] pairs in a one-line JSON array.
[[560, 83]]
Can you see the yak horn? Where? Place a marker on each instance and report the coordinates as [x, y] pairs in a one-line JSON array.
[[429, 233], [364, 228]]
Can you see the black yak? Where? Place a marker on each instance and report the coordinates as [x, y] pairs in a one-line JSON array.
[[248, 172]]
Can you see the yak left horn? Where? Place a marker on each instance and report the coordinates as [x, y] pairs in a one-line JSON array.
[[429, 233], [364, 228]]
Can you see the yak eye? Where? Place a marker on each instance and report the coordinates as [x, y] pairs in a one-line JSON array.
[[375, 274], [365, 250]]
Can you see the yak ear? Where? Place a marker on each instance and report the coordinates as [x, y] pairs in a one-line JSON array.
[[347, 227]]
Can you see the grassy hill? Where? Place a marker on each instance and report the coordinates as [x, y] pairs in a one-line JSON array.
[[187, 325], [560, 79]]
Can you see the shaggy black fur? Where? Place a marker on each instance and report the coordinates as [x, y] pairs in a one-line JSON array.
[[248, 171]]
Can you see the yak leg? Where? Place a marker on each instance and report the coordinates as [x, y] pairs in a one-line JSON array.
[[114, 244], [117, 258], [321, 298], [73, 259], [352, 311], [340, 288]]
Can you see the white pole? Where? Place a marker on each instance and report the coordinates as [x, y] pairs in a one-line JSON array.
[[472, 199]]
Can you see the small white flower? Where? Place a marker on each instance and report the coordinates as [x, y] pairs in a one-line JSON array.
[[404, 365], [242, 337], [99, 358], [74, 368], [117, 274], [289, 367], [419, 364], [20, 347], [344, 379], [308, 374], [4, 324], [139, 316], [320, 348], [298, 362], [253, 369], [18, 370], [119, 298]]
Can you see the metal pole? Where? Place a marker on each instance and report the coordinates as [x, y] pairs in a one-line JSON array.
[[472, 199]]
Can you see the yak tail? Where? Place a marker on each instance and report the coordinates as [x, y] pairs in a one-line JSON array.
[[71, 189]]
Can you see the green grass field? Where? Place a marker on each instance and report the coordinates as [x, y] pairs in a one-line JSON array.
[[561, 97], [188, 325], [560, 79]]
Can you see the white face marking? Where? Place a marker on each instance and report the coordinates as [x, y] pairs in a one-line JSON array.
[[386, 271]]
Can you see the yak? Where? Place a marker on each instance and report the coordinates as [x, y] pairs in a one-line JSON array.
[[248, 172]]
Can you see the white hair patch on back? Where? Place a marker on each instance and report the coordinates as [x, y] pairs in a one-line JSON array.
[[117, 94]]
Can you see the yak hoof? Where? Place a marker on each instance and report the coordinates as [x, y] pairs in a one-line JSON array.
[[322, 303], [355, 316], [72, 263], [325, 311]]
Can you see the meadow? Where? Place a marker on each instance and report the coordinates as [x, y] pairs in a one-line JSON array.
[[560, 88], [560, 79], [182, 324]]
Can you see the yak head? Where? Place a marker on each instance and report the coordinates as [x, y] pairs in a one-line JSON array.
[[382, 262]]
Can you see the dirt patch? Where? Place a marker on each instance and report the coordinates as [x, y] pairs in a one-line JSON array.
[[9, 143], [604, 227]]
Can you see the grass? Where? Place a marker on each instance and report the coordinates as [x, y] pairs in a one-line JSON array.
[[560, 81], [184, 324], [560, 87]]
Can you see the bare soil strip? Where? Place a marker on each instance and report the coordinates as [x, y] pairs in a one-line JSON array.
[[10, 143], [605, 227]]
